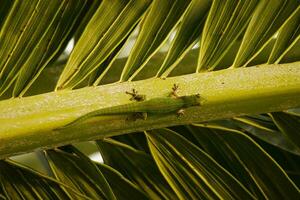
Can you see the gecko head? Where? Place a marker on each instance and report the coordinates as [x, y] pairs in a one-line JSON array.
[[191, 100]]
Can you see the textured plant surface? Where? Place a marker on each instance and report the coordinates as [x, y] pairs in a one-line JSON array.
[[242, 57]]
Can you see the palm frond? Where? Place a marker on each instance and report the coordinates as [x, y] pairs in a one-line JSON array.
[[250, 156], [32, 36], [20, 182]]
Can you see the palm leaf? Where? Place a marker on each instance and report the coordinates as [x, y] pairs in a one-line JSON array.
[[20, 182], [241, 149], [100, 38], [36, 43], [271, 135], [191, 172], [137, 166]]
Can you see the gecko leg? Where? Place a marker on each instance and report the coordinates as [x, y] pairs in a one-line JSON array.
[[174, 94], [174, 91], [180, 112], [138, 115], [143, 115], [135, 96]]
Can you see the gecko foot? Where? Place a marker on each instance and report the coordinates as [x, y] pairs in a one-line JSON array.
[[174, 91], [180, 113], [135, 96], [138, 115]]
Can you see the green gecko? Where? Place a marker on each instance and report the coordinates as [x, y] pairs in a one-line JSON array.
[[161, 105]]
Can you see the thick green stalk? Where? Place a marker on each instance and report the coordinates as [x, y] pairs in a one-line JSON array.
[[32, 122]]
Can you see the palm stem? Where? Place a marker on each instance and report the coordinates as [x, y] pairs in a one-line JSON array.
[[33, 122]]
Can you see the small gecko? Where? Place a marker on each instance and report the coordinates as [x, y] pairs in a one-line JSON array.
[[161, 105]]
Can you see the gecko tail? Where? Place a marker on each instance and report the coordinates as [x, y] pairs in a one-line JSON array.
[[76, 121], [71, 124]]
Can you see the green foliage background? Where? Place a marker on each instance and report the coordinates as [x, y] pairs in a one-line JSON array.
[[242, 143]]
